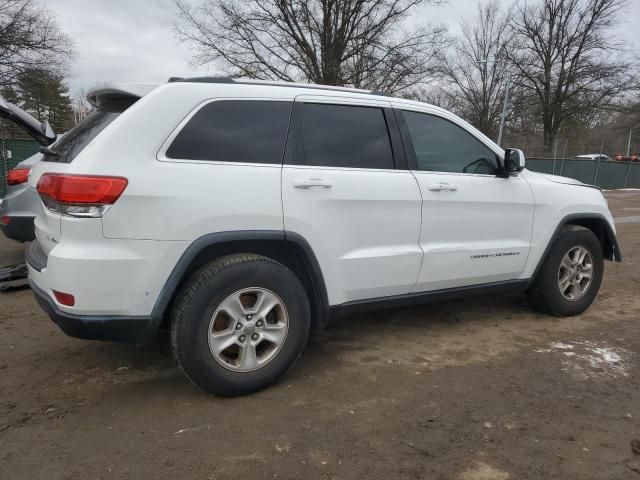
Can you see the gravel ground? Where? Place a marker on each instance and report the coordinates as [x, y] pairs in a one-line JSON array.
[[476, 390]]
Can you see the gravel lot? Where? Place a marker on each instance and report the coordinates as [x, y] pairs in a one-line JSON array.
[[475, 390]]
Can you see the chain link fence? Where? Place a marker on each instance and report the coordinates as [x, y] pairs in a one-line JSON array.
[[603, 173]]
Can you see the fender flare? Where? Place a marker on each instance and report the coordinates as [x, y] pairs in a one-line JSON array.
[[163, 302], [609, 234]]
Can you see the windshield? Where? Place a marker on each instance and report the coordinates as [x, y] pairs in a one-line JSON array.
[[76, 139]]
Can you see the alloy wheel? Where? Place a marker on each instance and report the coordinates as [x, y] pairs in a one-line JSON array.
[[248, 329], [575, 273]]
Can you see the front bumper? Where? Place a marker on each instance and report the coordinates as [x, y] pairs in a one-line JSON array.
[[94, 327]]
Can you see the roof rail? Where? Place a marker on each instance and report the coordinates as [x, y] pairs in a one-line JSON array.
[[272, 83], [202, 80]]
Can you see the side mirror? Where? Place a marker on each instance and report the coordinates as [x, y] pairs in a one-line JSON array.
[[513, 160]]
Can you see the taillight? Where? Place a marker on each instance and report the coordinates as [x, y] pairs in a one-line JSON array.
[[80, 195], [16, 176]]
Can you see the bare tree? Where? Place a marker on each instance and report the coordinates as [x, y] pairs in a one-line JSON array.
[[30, 38], [359, 43], [565, 53], [81, 106], [476, 68]]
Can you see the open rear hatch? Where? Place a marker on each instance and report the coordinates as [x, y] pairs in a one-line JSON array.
[[41, 132]]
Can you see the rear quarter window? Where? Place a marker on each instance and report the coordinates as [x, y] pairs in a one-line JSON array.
[[76, 139], [241, 131]]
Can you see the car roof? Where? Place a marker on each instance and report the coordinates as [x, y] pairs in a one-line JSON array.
[[273, 83], [106, 91], [294, 89]]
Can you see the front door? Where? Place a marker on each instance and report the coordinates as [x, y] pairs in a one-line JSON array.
[[476, 226], [342, 193]]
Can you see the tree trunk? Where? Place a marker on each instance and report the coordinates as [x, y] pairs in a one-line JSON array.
[[549, 134]]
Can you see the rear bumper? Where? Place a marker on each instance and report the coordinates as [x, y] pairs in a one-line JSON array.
[[19, 229], [93, 327]]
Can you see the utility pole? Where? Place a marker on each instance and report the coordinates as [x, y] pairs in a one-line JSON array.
[[629, 142], [504, 109], [503, 116]]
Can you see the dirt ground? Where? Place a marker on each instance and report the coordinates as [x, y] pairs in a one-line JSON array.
[[481, 389]]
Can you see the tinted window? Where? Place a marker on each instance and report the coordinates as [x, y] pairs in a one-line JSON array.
[[442, 146], [76, 139], [341, 136], [234, 131]]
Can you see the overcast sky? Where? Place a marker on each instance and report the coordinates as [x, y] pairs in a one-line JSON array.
[[133, 40]]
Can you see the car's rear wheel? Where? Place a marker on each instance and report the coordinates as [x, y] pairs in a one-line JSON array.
[[571, 274], [239, 324]]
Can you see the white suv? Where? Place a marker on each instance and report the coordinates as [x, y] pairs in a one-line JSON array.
[[239, 214]]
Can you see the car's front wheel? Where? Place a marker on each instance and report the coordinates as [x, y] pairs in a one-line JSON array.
[[239, 324], [571, 274]]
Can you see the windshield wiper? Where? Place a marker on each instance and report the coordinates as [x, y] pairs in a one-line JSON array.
[[48, 151]]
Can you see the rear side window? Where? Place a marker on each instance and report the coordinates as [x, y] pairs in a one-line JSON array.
[[340, 136], [246, 131], [76, 139]]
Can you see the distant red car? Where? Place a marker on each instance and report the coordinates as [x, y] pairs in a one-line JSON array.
[[624, 158]]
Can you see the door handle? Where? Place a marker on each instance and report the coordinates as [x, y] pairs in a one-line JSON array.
[[438, 187], [306, 183]]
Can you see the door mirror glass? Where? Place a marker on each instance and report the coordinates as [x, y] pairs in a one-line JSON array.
[[513, 160]]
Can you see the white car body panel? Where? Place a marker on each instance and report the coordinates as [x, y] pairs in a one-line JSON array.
[[479, 233], [554, 202], [363, 230]]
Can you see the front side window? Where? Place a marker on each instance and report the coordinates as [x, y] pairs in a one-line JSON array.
[[442, 146], [340, 136], [244, 131]]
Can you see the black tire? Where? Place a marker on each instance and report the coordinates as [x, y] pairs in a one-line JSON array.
[[545, 293], [197, 302]]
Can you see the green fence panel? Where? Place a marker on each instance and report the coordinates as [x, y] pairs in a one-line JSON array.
[[21, 149], [583, 170], [611, 175], [633, 181], [542, 165]]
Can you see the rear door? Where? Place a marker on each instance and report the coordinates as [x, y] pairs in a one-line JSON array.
[[342, 192], [476, 226]]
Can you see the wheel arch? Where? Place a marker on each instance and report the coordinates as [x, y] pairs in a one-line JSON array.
[[595, 222], [288, 248]]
